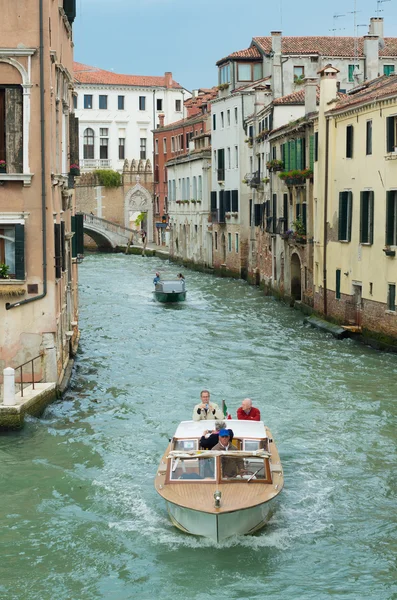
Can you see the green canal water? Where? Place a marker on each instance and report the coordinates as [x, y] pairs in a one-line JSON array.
[[79, 516]]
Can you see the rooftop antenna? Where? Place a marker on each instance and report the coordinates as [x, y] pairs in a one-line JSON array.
[[378, 8], [355, 52], [335, 28]]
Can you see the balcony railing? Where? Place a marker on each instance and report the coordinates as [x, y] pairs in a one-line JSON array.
[[253, 179], [218, 216], [221, 174], [90, 164]]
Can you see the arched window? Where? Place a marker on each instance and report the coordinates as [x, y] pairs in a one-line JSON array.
[[88, 149]]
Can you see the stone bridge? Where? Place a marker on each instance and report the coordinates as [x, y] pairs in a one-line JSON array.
[[107, 234]]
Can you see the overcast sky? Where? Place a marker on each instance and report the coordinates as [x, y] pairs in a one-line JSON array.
[[149, 37]]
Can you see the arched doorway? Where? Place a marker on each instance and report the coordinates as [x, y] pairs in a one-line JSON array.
[[296, 281], [138, 201]]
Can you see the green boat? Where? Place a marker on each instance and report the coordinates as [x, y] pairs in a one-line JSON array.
[[170, 291]]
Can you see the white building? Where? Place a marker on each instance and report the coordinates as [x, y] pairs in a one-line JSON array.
[[117, 114]]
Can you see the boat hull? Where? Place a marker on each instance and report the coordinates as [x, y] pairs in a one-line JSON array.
[[170, 296], [219, 527]]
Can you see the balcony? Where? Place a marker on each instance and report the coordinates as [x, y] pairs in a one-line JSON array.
[[218, 216], [221, 174], [253, 179], [90, 164]]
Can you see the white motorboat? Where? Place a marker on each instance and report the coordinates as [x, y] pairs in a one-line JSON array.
[[219, 494]]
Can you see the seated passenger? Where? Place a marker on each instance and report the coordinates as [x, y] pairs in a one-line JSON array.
[[247, 412], [210, 438], [156, 279], [233, 466], [206, 410]]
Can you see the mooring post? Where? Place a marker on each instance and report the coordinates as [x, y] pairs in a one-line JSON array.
[[9, 386]]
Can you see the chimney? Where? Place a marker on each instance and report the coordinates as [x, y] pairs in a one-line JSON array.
[[277, 75], [376, 27], [161, 119], [168, 79], [371, 55], [310, 95], [195, 93]]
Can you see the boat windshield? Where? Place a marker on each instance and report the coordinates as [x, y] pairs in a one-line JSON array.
[[193, 469], [234, 467]]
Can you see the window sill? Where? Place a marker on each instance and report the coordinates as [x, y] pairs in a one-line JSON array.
[[390, 312], [26, 178], [12, 287]]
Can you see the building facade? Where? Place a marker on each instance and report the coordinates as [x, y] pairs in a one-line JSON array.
[[38, 252]]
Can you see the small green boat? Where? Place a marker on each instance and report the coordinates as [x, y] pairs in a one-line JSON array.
[[170, 291]]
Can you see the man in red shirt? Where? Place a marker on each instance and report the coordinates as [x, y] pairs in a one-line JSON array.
[[247, 412]]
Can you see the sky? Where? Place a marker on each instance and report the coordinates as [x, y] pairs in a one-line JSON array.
[[150, 37]]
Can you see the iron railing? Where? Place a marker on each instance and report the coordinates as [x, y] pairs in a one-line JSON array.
[[93, 163], [253, 179], [31, 362]]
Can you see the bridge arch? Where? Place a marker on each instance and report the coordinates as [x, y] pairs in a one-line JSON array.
[[100, 238]]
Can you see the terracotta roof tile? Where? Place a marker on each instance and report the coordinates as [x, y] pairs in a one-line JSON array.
[[324, 45], [378, 88], [246, 54], [298, 97], [85, 74]]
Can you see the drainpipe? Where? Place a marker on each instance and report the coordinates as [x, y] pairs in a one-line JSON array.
[[325, 307], [154, 168], [43, 169]]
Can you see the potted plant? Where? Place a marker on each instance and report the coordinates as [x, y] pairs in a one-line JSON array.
[[286, 234], [299, 231], [4, 271], [275, 165], [223, 86], [3, 166], [74, 170], [265, 180], [388, 251]]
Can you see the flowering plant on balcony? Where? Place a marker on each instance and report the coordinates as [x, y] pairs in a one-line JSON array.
[[223, 86], [4, 271], [296, 176], [74, 169], [265, 180], [262, 135], [3, 165], [275, 164], [287, 234]]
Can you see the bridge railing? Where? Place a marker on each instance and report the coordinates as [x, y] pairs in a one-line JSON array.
[[109, 226]]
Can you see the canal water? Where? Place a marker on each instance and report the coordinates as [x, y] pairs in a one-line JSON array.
[[79, 516]]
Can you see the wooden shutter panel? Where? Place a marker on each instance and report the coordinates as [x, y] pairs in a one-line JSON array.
[[213, 201], [2, 126], [257, 214], [390, 225], [371, 217], [63, 246], [337, 283], [304, 215], [235, 200], [19, 251], [287, 164], [316, 146], [392, 297], [250, 212], [292, 155], [80, 234], [221, 206], [342, 221], [362, 220], [299, 154], [14, 130], [285, 206], [57, 248], [311, 152], [73, 223], [227, 201], [350, 215], [390, 134]]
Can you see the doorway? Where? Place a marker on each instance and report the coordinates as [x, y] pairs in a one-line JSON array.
[[296, 279]]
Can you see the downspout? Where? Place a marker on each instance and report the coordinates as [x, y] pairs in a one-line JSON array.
[[154, 169], [325, 306], [43, 169]]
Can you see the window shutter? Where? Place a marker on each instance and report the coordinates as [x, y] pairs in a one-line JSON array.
[[337, 284], [227, 201], [73, 223], [63, 247], [57, 247], [221, 206], [285, 207], [271, 121], [362, 220], [311, 152], [390, 134], [299, 154], [19, 251], [316, 146], [250, 212], [213, 201], [304, 216], [350, 215], [342, 217], [287, 164], [371, 217], [349, 141], [235, 200], [214, 122], [390, 225], [392, 297], [257, 214], [78, 238], [292, 156]]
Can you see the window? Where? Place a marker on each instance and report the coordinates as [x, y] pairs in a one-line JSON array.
[[121, 148], [187, 188], [221, 164], [12, 249], [236, 156], [366, 218], [236, 115], [172, 144], [388, 69], [345, 216], [368, 142], [214, 122], [391, 297], [229, 160], [391, 134], [391, 218], [200, 188], [104, 143], [337, 284], [164, 145], [178, 105], [88, 143], [59, 247], [234, 200], [103, 102], [12, 128], [349, 141], [194, 192], [224, 74], [222, 121], [120, 102], [159, 104], [316, 146], [142, 102], [352, 71], [257, 71], [216, 240], [156, 146], [74, 101], [228, 118], [244, 72], [236, 243], [229, 242], [213, 201], [87, 101], [142, 148], [299, 73]]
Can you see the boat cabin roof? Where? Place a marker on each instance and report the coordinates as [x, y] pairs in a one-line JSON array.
[[244, 429], [170, 286]]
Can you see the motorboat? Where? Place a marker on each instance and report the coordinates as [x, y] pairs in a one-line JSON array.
[[218, 494], [170, 290]]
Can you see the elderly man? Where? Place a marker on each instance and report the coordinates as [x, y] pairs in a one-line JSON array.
[[233, 466], [210, 438], [247, 412], [206, 410]]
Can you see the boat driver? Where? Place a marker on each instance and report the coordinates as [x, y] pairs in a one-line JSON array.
[[233, 466]]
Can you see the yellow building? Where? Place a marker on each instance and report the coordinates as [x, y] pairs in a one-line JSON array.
[[355, 204]]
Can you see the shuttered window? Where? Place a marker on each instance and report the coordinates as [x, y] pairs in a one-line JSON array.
[[292, 157], [221, 206], [78, 237], [11, 128], [337, 284], [391, 297], [316, 146], [58, 251], [257, 215], [213, 122], [345, 216], [390, 134], [287, 162], [234, 200], [366, 218], [12, 249], [227, 201], [213, 201], [349, 141], [368, 141], [391, 218], [311, 152], [63, 246]]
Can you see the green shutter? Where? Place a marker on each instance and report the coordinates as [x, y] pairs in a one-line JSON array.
[[292, 155], [388, 70], [311, 152], [287, 163], [227, 201], [363, 236], [392, 297], [390, 135], [63, 247], [213, 201], [390, 224], [337, 284], [371, 217], [299, 154], [19, 251], [234, 200], [74, 251], [342, 217], [350, 215]]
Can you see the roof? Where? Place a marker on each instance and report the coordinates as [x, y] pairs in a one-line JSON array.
[[255, 429], [192, 120], [376, 89], [85, 74], [298, 97], [247, 54], [194, 104], [324, 45]]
